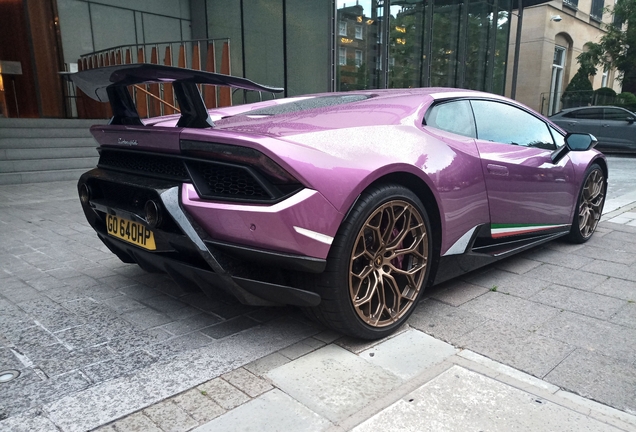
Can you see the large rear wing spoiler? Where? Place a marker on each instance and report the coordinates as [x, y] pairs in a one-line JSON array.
[[109, 84]]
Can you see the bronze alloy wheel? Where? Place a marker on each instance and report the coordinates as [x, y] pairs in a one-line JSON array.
[[388, 263], [591, 204]]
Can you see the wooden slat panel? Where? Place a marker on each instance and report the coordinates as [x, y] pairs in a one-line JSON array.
[[181, 62], [196, 57], [81, 97], [127, 59], [154, 106], [225, 93], [168, 94], [209, 91], [108, 112], [140, 97], [94, 108]]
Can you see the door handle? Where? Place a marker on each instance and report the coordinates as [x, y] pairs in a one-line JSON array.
[[497, 169], [605, 125]]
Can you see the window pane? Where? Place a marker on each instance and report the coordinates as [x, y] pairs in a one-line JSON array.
[[224, 21], [264, 45], [455, 117], [406, 30], [342, 28], [305, 39], [444, 62], [501, 49], [359, 32], [597, 9], [486, 47], [499, 122], [590, 114], [359, 69], [616, 114]]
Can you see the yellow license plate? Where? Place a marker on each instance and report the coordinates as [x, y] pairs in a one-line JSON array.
[[131, 232]]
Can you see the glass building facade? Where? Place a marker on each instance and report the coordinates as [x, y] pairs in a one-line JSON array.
[[326, 45], [283, 43], [419, 43], [304, 46]]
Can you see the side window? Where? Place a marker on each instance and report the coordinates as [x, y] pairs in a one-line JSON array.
[[590, 114], [616, 114], [500, 122], [454, 116]]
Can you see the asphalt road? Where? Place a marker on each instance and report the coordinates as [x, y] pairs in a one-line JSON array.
[[622, 175]]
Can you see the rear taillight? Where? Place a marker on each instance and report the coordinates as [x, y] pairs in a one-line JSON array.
[[238, 155], [236, 173]]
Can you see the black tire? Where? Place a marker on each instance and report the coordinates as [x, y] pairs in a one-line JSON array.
[[386, 235], [589, 205]]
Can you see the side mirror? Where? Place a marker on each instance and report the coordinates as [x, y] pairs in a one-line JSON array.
[[574, 142], [630, 120], [580, 141]]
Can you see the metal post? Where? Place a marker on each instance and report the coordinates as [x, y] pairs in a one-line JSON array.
[[515, 64]]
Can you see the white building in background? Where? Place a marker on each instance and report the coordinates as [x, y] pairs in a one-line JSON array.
[[553, 35]]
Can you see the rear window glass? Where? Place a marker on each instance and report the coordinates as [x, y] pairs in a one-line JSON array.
[[616, 114], [307, 104], [455, 117], [588, 113]]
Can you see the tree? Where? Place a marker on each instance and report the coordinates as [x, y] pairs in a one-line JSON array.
[[579, 91], [616, 48]]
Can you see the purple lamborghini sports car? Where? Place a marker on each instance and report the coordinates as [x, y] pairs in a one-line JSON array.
[[345, 204]]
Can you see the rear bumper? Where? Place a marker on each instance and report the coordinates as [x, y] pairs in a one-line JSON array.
[[246, 290], [185, 251]]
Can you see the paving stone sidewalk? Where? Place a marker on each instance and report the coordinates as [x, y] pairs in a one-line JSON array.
[[410, 381], [72, 316], [96, 340], [563, 313]]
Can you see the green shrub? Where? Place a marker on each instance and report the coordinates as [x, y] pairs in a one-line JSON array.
[[604, 96], [579, 91], [626, 98], [605, 91]]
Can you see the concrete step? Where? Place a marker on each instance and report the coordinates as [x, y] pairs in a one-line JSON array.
[[43, 150], [41, 176], [15, 132], [49, 123], [47, 153], [13, 166], [50, 142]]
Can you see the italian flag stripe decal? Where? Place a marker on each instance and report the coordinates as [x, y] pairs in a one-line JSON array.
[[505, 230]]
